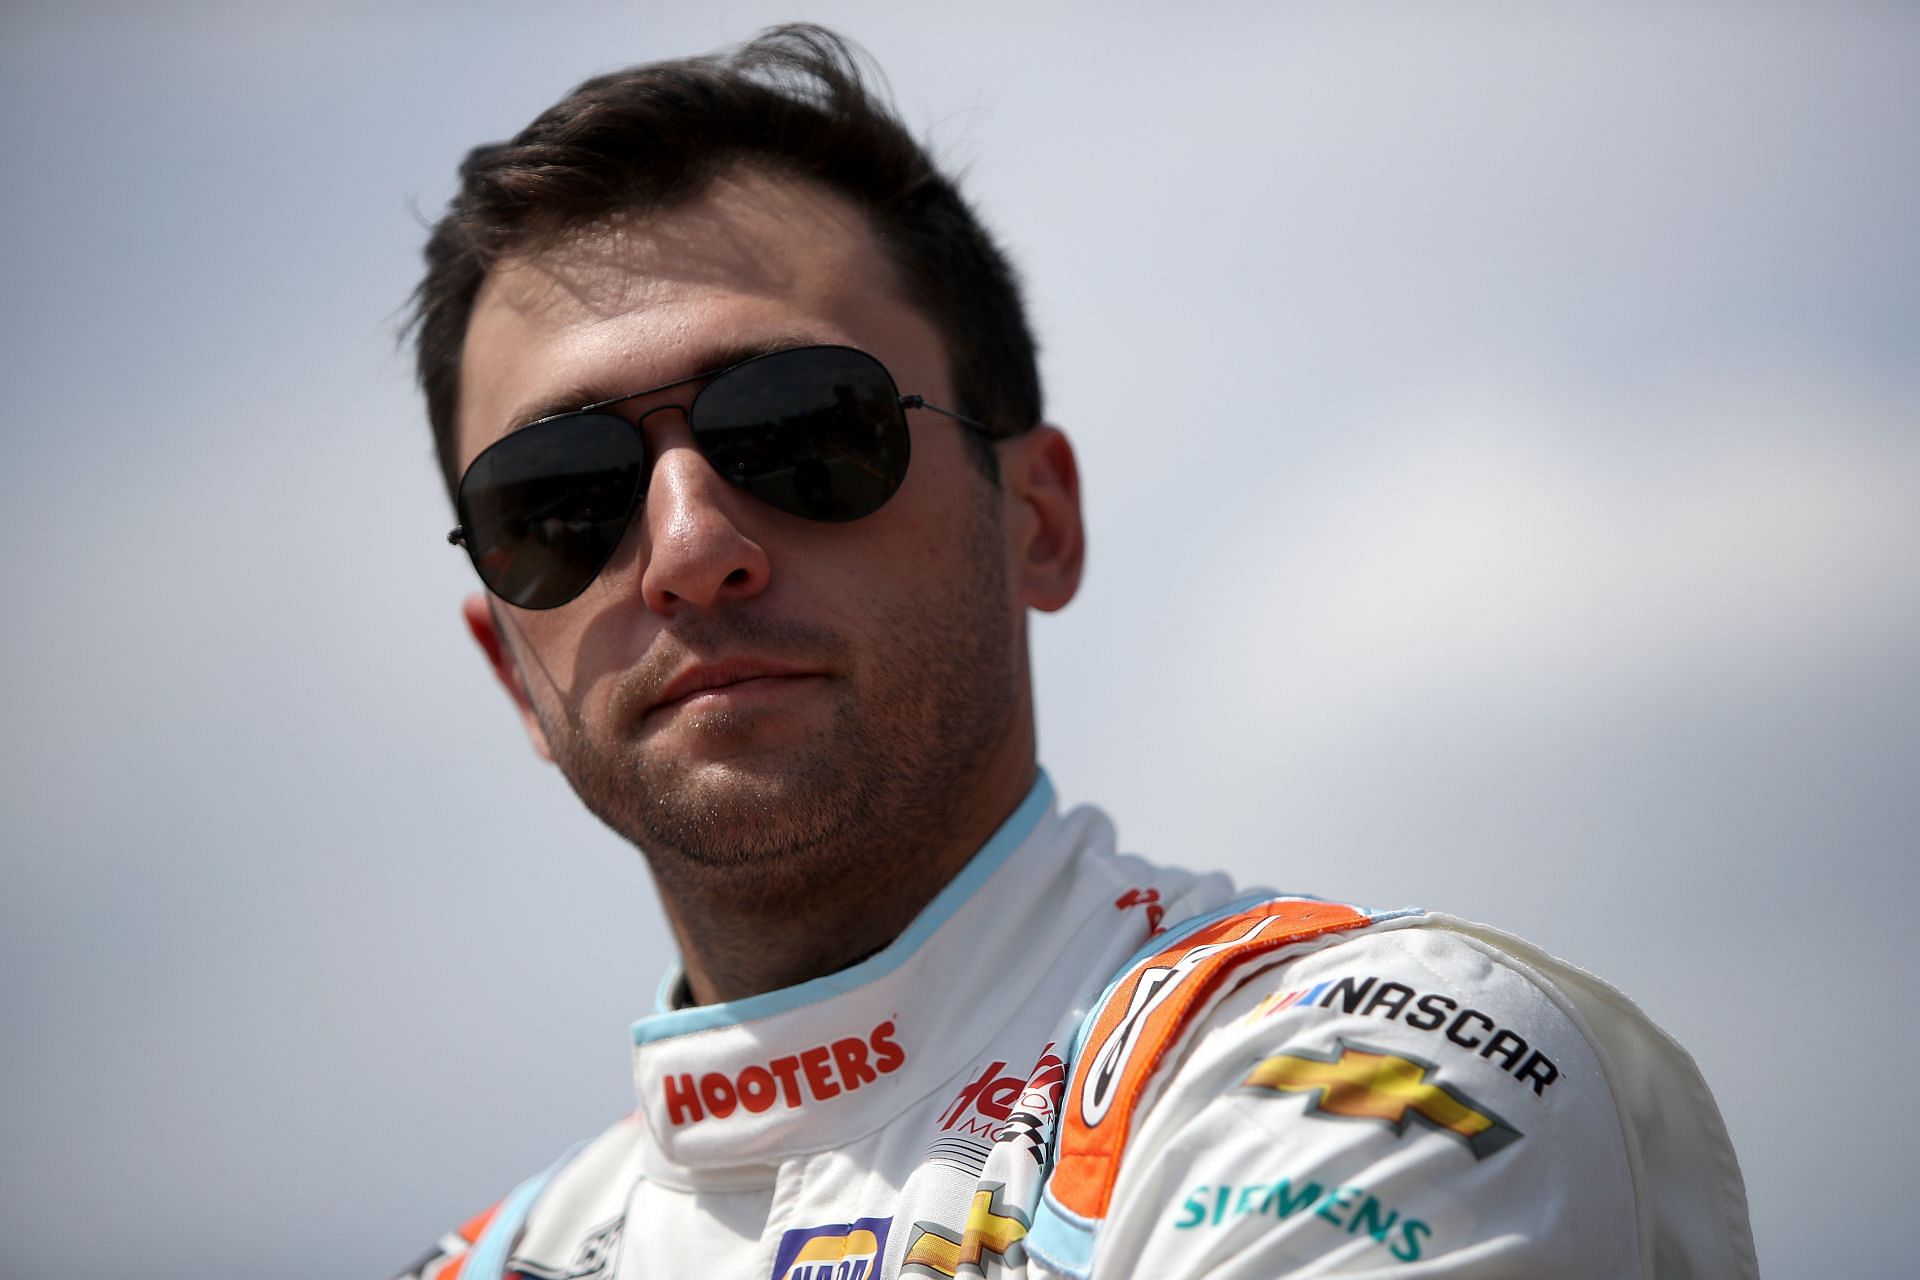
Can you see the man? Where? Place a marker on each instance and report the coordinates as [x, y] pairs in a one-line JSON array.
[[740, 412]]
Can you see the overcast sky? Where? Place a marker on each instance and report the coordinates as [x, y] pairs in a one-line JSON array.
[[1501, 433]]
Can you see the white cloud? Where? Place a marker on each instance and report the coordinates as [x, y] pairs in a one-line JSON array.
[[1590, 551]]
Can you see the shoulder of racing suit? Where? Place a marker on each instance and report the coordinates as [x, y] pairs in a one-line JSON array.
[[1252, 1097], [1290, 1083]]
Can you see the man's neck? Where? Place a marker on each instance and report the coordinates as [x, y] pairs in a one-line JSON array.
[[735, 945]]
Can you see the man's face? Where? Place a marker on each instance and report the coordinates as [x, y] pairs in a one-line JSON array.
[[864, 675]]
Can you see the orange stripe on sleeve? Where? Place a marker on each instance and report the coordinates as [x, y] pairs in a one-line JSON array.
[[471, 1229], [1143, 1020]]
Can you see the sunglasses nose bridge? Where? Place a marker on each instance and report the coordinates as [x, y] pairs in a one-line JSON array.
[[664, 428], [692, 548], [671, 406]]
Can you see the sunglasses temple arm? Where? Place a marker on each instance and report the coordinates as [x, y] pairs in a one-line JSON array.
[[920, 402]]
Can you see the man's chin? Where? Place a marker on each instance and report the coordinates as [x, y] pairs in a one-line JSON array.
[[760, 808]]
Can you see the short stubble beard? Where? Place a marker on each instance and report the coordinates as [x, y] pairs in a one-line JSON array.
[[910, 742]]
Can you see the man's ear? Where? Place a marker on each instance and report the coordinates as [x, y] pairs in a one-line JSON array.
[[1046, 538], [485, 628]]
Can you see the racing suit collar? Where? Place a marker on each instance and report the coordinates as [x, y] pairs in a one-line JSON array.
[[741, 1084]]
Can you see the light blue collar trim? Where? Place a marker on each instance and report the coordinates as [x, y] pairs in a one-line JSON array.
[[663, 999], [1012, 833]]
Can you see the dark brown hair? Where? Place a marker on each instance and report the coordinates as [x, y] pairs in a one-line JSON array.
[[651, 137]]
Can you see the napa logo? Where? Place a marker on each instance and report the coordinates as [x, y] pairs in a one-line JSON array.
[[842, 1251]]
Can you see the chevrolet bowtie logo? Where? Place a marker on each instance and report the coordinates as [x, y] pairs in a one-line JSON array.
[[991, 1228], [1362, 1085]]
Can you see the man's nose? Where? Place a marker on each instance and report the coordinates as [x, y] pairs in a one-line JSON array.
[[697, 553]]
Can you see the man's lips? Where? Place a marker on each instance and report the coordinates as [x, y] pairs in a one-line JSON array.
[[742, 674]]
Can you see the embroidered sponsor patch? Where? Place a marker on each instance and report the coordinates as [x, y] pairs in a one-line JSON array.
[[816, 1074], [1460, 1025], [1358, 1083], [597, 1252], [1148, 898], [993, 1107], [591, 1260], [841, 1251], [992, 1228], [988, 1101], [1354, 1210]]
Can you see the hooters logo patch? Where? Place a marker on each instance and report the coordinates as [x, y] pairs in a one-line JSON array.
[[815, 1074]]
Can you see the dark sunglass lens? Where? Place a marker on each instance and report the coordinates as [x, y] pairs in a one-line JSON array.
[[544, 508], [817, 431]]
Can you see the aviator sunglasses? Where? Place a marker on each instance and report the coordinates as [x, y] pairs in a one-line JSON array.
[[819, 432]]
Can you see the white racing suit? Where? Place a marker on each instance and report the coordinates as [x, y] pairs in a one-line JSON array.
[[1076, 1063]]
